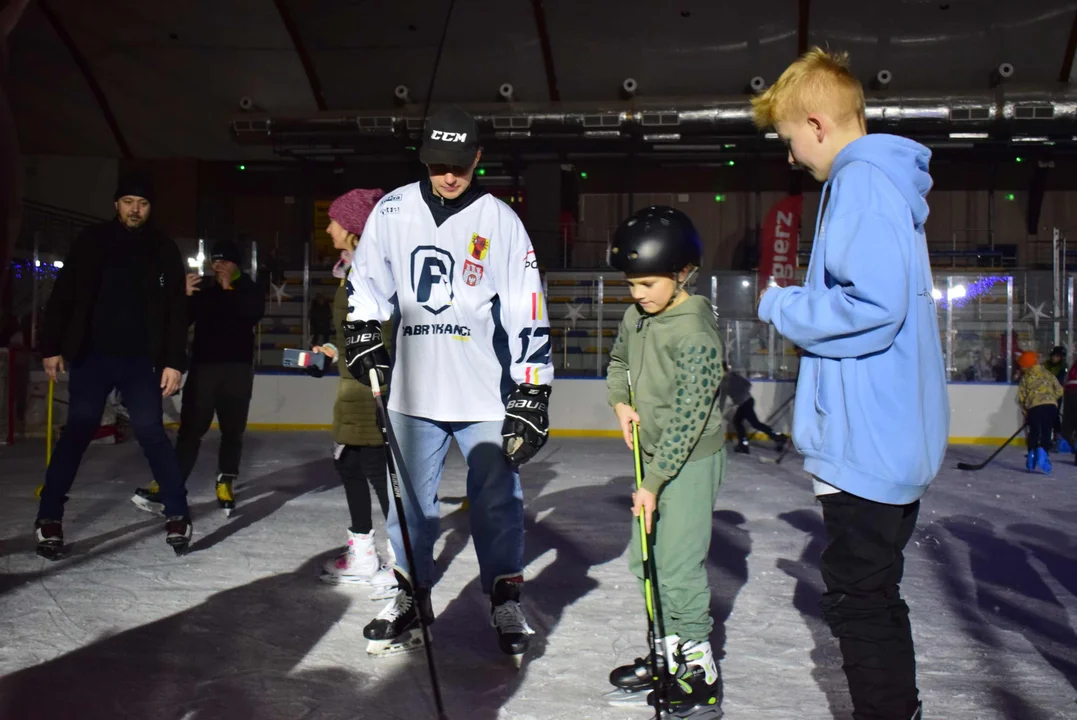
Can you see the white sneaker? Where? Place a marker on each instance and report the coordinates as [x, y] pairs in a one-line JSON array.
[[357, 565]]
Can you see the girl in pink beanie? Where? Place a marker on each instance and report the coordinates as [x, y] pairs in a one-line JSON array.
[[358, 453]]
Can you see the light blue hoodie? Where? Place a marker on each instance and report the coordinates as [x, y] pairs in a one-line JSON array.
[[872, 415]]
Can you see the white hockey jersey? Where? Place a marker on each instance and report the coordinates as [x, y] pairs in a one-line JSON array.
[[472, 311]]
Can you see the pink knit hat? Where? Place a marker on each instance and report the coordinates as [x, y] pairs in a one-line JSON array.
[[351, 209]]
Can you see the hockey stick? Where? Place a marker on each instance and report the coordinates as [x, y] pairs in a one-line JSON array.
[[780, 409], [981, 466], [48, 436], [394, 481], [655, 630]]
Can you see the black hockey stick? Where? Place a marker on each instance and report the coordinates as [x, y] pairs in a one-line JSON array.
[[981, 466], [421, 594], [780, 409]]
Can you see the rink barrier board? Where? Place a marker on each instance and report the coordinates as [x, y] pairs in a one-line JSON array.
[[583, 433]]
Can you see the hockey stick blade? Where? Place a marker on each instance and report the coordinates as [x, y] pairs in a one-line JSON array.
[[980, 466]]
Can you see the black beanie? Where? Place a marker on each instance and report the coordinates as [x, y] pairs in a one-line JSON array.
[[227, 250], [137, 185]]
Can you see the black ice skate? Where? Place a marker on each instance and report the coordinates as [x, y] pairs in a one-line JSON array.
[[397, 628], [179, 531], [743, 448], [507, 617], [50, 539], [780, 441], [633, 682], [226, 500], [149, 499], [695, 691]]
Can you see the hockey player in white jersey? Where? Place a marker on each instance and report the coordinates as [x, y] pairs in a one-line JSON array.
[[472, 362]]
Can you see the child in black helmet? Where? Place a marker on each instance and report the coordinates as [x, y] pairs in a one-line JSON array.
[[668, 347]]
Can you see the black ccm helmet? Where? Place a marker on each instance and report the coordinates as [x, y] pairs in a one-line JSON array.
[[658, 240]]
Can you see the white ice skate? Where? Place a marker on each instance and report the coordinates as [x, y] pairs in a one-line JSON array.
[[384, 581], [357, 565]]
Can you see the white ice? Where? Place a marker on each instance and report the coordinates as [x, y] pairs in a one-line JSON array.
[[242, 628]]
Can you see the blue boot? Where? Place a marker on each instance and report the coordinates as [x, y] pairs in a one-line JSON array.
[[1043, 460], [1030, 461], [1064, 447]]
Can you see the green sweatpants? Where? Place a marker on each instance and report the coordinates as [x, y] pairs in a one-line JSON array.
[[682, 539]]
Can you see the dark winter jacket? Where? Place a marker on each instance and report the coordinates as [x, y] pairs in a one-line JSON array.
[[158, 287], [355, 421], [736, 387], [224, 320]]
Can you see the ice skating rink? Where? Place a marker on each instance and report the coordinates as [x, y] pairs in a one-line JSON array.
[[242, 628]]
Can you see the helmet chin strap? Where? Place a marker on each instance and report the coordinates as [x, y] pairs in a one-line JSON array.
[[680, 286]]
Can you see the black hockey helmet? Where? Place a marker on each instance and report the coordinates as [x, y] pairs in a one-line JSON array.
[[657, 240]]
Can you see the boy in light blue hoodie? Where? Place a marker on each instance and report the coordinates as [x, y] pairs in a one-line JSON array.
[[872, 414]]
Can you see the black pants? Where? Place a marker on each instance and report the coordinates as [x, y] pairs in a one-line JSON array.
[[1041, 422], [862, 567], [224, 389], [746, 413], [359, 466], [92, 379]]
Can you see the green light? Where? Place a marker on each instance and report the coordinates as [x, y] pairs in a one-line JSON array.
[[410, 147], [719, 198], [482, 171], [1020, 159], [729, 146], [583, 175], [731, 163], [241, 167], [1011, 197]]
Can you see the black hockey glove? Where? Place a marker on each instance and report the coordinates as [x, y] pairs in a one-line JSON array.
[[364, 351], [527, 422]]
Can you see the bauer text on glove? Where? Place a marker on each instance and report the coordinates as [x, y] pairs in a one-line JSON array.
[[364, 350], [527, 422]]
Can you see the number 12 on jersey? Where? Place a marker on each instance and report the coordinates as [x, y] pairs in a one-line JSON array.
[[541, 356]]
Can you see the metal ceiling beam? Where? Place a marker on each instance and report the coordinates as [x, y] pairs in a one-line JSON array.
[[87, 73], [547, 50], [1066, 73], [304, 56], [803, 15]]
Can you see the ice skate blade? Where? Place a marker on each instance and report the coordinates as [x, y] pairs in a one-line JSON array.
[[51, 553], [382, 592], [620, 697], [354, 580], [409, 641], [697, 712], [180, 549], [147, 505]]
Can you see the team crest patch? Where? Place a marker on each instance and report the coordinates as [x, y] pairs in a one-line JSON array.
[[472, 273], [478, 247]]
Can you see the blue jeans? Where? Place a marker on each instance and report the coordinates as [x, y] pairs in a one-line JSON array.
[[92, 380], [495, 500]]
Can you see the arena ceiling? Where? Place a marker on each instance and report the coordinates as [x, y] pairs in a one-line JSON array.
[[166, 78]]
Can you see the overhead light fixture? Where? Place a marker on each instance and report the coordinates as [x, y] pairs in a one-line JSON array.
[[771, 136], [937, 294], [745, 283], [58, 264], [1030, 139], [969, 136], [956, 292]]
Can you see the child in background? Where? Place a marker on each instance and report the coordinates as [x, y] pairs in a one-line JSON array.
[[1038, 393], [739, 391], [668, 348]]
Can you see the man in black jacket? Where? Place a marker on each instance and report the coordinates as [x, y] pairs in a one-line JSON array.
[[117, 317], [225, 314]]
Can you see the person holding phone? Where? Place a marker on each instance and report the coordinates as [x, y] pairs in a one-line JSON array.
[[225, 312]]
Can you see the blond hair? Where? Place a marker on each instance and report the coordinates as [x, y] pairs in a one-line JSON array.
[[817, 82]]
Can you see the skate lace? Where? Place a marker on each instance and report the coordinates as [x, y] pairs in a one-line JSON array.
[[398, 606], [509, 618]]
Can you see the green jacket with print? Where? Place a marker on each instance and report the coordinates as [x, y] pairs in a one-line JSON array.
[[675, 359]]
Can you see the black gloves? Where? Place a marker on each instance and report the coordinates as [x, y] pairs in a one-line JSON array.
[[527, 422], [364, 351]]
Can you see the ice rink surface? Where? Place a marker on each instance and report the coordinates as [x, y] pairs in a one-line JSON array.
[[242, 628]]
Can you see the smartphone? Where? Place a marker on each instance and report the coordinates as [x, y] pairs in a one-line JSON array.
[[303, 359]]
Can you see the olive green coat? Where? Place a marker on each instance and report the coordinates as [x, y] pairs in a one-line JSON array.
[[355, 420]]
